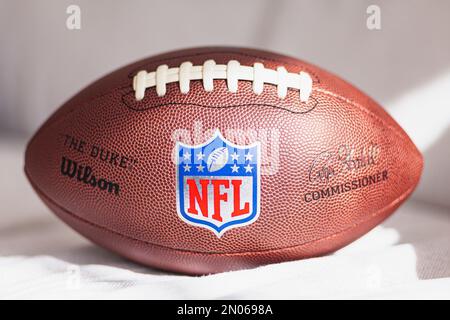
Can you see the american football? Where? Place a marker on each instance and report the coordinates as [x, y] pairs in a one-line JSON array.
[[214, 159]]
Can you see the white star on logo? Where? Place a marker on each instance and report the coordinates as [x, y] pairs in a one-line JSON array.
[[187, 167], [249, 157], [200, 168], [234, 168], [187, 156], [200, 156], [248, 168], [234, 156]]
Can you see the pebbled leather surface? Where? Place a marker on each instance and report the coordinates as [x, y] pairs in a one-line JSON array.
[[142, 223]]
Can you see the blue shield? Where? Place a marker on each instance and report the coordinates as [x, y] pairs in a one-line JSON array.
[[218, 184]]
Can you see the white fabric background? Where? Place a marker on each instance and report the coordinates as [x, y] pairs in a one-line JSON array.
[[405, 66]]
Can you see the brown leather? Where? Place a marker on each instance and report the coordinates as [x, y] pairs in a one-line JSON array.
[[142, 222]]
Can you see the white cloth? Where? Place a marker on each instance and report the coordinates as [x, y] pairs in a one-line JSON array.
[[40, 257]]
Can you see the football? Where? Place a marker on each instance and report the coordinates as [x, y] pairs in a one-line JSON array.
[[214, 159]]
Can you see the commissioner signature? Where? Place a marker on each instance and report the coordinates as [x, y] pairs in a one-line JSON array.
[[328, 164]]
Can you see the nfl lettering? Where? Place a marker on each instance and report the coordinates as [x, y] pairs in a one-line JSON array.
[[218, 184]]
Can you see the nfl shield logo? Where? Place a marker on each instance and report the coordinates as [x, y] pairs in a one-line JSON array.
[[218, 184]]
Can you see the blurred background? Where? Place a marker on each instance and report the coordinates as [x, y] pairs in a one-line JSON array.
[[404, 65]]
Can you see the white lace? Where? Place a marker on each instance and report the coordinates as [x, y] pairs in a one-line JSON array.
[[231, 72]]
